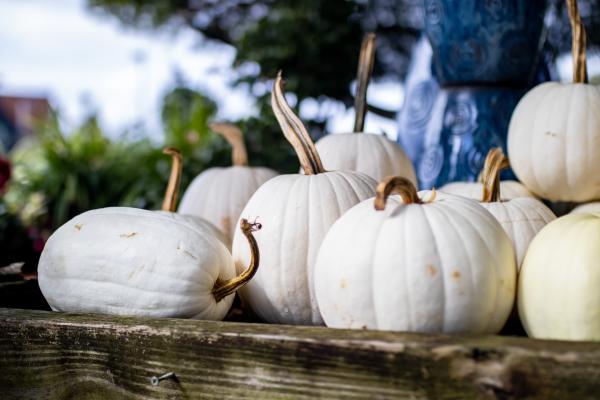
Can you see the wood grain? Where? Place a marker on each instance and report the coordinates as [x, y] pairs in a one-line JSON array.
[[46, 355]]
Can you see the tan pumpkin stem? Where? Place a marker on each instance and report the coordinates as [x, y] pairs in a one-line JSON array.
[[399, 185], [578, 43], [170, 199], [432, 196], [294, 131], [365, 69], [495, 162], [235, 138], [223, 289]]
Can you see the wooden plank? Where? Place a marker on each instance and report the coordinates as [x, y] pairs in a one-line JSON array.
[[46, 355]]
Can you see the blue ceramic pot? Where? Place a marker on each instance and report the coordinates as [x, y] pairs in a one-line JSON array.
[[448, 131], [462, 126], [485, 42]]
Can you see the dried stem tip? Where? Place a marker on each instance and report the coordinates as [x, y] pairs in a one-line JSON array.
[[578, 43], [170, 199], [223, 289], [365, 69], [235, 138], [294, 131], [399, 185]]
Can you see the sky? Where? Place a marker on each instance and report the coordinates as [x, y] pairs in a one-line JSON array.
[[82, 62]]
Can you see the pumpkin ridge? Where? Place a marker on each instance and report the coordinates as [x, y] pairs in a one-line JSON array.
[[566, 137], [372, 257], [490, 220], [453, 215], [539, 120], [449, 213], [310, 262], [441, 266], [291, 193]]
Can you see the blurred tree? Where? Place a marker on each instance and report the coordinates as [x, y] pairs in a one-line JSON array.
[[315, 42], [185, 114]]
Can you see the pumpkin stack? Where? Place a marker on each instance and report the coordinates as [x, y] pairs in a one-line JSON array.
[[554, 143], [554, 132], [373, 154], [297, 211]]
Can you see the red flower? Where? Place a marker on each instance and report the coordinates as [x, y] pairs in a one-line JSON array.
[[4, 173]]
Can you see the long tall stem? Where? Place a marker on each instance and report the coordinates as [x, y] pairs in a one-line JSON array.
[[365, 68], [223, 289], [235, 138], [578, 43], [170, 199], [294, 131]]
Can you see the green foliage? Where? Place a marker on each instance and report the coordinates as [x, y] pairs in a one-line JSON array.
[[62, 175], [185, 115], [266, 144], [315, 42]]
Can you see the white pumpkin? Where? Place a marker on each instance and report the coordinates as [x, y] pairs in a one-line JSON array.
[[473, 190], [372, 154], [522, 218], [558, 296], [586, 208], [128, 261], [297, 210], [170, 200], [443, 265], [554, 133], [219, 194]]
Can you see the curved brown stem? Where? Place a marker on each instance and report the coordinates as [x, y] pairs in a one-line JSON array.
[[170, 199], [578, 43], [294, 131], [365, 68], [223, 289], [399, 185], [495, 162], [235, 138]]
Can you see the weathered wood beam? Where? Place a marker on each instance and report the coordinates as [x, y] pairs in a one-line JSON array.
[[46, 355]]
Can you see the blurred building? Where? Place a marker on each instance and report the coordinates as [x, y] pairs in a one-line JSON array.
[[18, 118]]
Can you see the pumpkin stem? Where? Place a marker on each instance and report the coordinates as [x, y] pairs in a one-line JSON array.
[[170, 199], [223, 289], [235, 138], [432, 196], [395, 184], [495, 162], [365, 68], [294, 131], [578, 43]]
